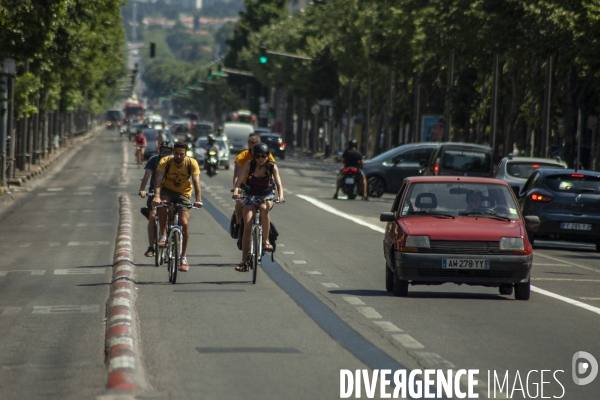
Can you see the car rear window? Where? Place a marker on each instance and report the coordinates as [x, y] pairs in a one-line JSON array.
[[525, 169], [574, 182], [466, 160]]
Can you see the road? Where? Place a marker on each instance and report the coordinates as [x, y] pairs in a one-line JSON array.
[[319, 308]]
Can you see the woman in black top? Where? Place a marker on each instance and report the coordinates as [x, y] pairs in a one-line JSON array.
[[261, 175]]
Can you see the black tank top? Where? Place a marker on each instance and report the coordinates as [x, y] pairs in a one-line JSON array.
[[259, 186]]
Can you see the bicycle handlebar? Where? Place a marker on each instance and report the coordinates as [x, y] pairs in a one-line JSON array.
[[247, 197]]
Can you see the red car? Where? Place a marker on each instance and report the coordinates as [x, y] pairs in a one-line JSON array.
[[463, 230]]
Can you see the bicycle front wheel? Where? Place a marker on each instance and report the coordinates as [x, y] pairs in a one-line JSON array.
[[175, 256], [257, 252], [157, 250]]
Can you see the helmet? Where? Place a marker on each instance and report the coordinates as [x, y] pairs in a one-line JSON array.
[[210, 137], [188, 136], [260, 148], [352, 143], [166, 143]]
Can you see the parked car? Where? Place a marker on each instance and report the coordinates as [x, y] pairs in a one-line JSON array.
[[567, 203], [275, 142], [516, 170], [463, 230], [151, 134], [223, 151], [461, 159], [238, 134], [261, 130], [386, 172]]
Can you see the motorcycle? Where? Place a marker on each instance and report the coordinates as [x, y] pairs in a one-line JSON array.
[[351, 182], [212, 162]]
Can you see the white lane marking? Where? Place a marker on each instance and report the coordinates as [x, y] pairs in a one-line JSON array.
[[334, 211], [83, 193], [38, 272], [10, 310], [67, 309], [288, 252], [369, 312], [46, 194], [218, 198], [537, 253], [91, 243], [551, 265], [25, 245], [281, 245], [434, 360], [355, 301], [80, 271], [407, 341], [589, 298], [565, 279], [313, 273], [56, 189], [54, 244], [387, 326], [330, 285], [96, 224], [299, 261], [86, 187], [566, 299]]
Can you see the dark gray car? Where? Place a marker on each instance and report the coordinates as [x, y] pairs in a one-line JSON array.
[[386, 172]]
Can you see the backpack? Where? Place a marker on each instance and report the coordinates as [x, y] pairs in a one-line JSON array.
[[273, 235]]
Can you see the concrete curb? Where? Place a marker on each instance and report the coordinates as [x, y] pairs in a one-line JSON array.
[[122, 363]]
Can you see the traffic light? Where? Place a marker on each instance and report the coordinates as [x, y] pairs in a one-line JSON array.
[[195, 83], [263, 55], [219, 70], [152, 50], [186, 90], [210, 75], [175, 93]]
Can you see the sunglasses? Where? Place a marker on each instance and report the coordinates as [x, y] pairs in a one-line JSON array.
[[165, 152], [260, 156]]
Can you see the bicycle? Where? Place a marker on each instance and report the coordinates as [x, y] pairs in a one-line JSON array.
[[172, 249], [255, 253], [139, 155]]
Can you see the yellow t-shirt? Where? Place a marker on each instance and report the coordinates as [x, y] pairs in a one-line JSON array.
[[246, 156], [178, 179]]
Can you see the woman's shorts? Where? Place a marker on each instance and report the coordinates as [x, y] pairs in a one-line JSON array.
[[250, 200]]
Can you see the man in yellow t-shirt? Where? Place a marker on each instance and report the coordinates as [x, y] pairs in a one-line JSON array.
[[242, 159], [172, 184]]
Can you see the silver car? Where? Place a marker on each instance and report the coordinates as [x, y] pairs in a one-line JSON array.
[[516, 170], [223, 151]]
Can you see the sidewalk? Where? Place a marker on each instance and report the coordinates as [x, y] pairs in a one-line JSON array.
[[22, 177]]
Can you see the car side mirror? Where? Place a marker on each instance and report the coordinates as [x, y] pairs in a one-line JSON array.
[[387, 217], [532, 222]]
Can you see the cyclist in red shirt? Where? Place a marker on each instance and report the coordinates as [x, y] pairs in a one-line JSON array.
[[140, 146]]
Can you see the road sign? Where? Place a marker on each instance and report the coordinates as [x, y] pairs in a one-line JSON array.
[[315, 109], [325, 103]]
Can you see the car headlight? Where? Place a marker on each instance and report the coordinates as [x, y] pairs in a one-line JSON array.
[[417, 241], [512, 243]]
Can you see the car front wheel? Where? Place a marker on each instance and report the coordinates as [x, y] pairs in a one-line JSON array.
[[400, 287], [375, 186], [522, 290]]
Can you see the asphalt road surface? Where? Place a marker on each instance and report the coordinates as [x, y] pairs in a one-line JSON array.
[[321, 307]]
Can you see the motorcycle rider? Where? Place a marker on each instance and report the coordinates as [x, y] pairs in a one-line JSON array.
[[352, 158], [211, 145]]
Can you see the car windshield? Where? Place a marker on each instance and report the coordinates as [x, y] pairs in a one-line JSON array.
[[466, 160], [134, 110], [524, 170], [576, 183], [457, 199]]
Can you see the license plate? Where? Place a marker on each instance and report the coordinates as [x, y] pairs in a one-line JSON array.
[[349, 181], [462, 263], [575, 226]]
